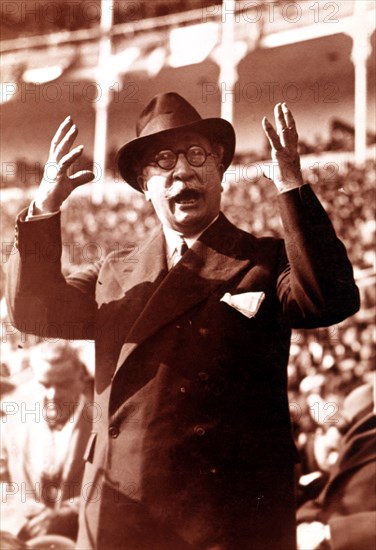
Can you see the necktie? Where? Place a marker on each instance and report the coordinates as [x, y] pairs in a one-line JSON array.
[[181, 248]]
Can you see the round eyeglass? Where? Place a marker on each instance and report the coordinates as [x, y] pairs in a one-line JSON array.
[[195, 155]]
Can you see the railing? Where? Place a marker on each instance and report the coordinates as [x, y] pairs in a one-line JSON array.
[[273, 16]]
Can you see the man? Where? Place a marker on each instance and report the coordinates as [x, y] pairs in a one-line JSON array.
[[343, 516], [43, 440], [194, 449]]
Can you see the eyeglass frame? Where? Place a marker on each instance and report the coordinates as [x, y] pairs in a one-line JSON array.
[[183, 152]]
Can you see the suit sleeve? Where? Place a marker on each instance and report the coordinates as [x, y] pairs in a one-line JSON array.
[[40, 299], [316, 285]]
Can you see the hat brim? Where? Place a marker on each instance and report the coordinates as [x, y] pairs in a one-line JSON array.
[[217, 130]]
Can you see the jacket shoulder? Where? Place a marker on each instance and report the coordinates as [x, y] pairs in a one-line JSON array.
[[244, 243]]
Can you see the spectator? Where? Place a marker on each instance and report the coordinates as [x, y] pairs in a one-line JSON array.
[[343, 515], [42, 445]]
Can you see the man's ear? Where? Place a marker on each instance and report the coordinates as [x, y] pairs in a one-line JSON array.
[[219, 151], [142, 185]]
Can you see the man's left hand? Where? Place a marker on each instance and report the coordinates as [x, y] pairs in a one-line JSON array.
[[284, 144]]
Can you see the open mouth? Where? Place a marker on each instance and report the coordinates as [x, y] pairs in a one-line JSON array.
[[188, 196]]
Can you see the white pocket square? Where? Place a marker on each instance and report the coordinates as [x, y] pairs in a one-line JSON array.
[[247, 303]]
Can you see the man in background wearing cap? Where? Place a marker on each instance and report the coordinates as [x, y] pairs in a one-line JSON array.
[[43, 439], [343, 516], [194, 447]]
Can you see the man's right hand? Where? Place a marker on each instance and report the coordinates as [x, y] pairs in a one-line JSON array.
[[56, 185]]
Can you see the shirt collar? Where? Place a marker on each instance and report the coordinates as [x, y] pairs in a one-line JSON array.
[[173, 238]]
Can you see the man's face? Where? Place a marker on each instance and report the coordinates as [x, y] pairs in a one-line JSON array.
[[62, 384], [185, 198]]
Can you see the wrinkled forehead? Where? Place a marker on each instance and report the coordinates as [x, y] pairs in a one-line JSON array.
[[57, 377], [177, 139]]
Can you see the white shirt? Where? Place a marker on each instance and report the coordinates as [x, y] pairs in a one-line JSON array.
[[52, 447], [173, 240]]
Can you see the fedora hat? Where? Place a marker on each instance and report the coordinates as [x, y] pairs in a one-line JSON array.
[[166, 112]]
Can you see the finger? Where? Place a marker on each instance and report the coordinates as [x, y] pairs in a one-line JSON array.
[[67, 160], [291, 134], [34, 525], [60, 133], [66, 143], [271, 134], [281, 124], [30, 515], [279, 118], [288, 117], [82, 177], [35, 531], [289, 139]]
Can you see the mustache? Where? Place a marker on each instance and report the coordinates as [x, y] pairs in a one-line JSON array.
[[179, 187]]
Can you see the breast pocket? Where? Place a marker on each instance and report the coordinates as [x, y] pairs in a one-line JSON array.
[[247, 303]]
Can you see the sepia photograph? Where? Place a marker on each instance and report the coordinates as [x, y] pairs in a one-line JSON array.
[[188, 290]]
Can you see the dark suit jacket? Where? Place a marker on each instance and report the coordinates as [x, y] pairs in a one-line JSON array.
[[348, 501], [193, 449]]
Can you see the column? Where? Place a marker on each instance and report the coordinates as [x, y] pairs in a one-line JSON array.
[[228, 74], [359, 55], [101, 106]]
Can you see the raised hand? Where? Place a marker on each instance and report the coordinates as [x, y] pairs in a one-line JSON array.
[[56, 185], [284, 144]]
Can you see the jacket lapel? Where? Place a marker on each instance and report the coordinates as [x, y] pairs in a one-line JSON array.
[[138, 277], [211, 262], [142, 265]]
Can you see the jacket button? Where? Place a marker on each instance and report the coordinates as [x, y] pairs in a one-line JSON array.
[[113, 432], [199, 430], [203, 376]]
